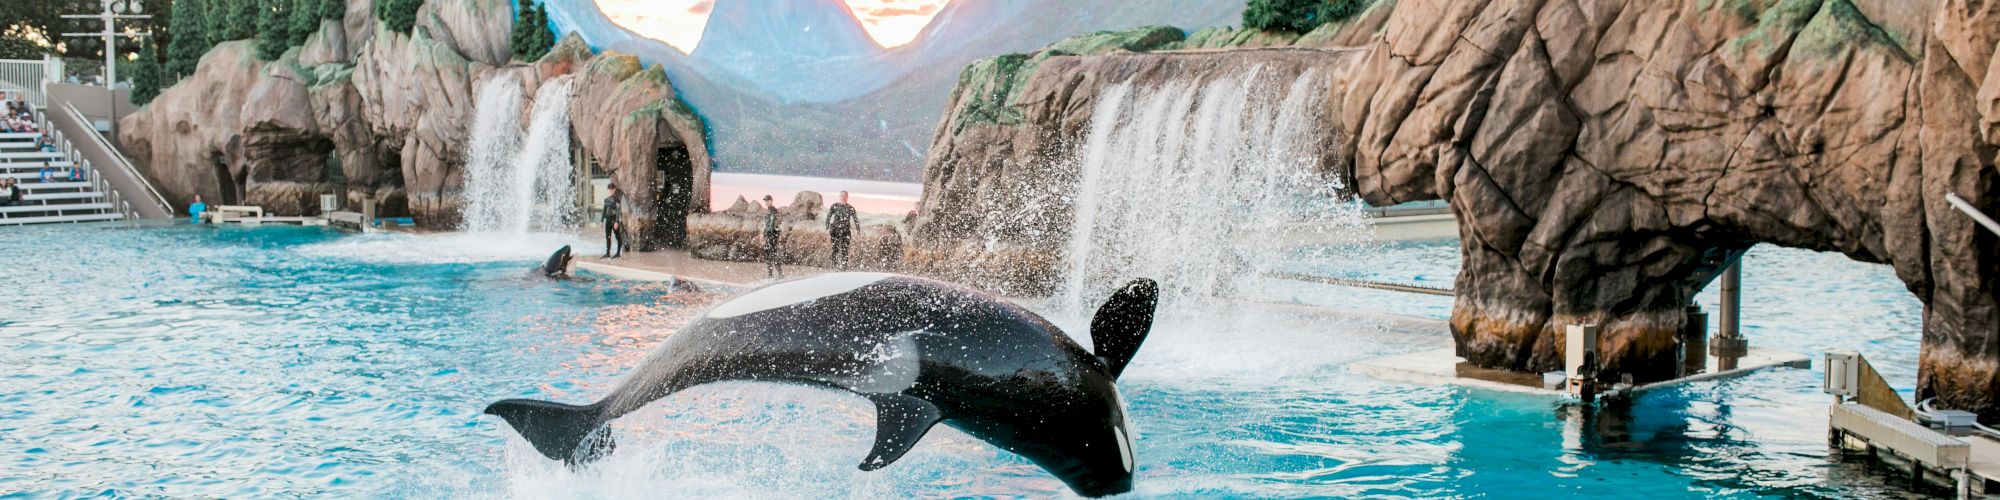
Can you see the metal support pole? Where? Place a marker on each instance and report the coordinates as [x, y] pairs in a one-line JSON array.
[[1729, 346]]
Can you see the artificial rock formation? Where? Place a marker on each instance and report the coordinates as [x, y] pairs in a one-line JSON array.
[[381, 115], [1599, 153], [737, 234]]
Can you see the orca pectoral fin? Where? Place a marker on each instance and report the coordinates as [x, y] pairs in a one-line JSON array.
[[1123, 322], [900, 421]]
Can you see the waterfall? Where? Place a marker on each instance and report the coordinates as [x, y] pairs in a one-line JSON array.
[[516, 182], [1193, 184]]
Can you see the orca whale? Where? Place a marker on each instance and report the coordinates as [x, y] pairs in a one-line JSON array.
[[923, 351], [558, 264]]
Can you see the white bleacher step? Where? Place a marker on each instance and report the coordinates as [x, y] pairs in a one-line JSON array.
[[19, 135], [35, 167], [30, 156], [62, 218], [62, 196], [34, 177], [38, 186], [6, 145], [61, 207]]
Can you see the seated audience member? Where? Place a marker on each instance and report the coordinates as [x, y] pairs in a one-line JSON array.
[[8, 193], [48, 171], [45, 143]]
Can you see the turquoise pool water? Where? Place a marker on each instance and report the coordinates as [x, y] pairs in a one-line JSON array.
[[283, 362]]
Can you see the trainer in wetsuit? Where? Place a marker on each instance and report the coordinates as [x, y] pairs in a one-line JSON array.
[[614, 224], [771, 265], [840, 227]]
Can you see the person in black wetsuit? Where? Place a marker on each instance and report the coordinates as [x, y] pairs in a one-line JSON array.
[[771, 265], [840, 228], [614, 224]]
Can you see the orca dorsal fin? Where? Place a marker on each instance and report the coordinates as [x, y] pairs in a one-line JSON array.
[[900, 421], [1123, 322]]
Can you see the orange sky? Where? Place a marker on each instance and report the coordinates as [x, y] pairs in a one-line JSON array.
[[679, 22]]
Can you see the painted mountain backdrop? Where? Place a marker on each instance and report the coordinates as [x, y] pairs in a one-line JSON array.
[[796, 87]]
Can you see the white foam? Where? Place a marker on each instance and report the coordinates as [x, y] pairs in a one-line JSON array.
[[448, 248], [794, 292]]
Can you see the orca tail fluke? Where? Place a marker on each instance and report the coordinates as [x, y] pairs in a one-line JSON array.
[[1123, 322], [559, 431]]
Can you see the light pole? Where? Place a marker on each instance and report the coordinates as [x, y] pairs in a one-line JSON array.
[[113, 11]]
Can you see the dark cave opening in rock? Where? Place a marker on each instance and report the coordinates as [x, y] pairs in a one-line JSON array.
[[231, 186], [673, 192]]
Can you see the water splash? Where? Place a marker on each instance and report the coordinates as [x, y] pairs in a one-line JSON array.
[[516, 183], [1193, 184]]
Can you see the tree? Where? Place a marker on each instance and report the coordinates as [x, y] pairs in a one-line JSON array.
[[274, 32], [242, 18], [398, 15], [332, 10], [304, 21], [531, 38], [147, 76], [190, 38], [1298, 16]]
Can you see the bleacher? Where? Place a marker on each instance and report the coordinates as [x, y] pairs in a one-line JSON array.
[[74, 192]]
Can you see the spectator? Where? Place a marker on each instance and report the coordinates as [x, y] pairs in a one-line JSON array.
[[771, 265], [614, 224], [195, 209], [48, 171], [46, 143], [76, 173], [840, 227], [9, 194]]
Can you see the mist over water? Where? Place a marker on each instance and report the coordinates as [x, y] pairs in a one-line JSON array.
[[1191, 185]]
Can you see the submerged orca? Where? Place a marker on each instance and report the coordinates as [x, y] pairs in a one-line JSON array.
[[922, 351]]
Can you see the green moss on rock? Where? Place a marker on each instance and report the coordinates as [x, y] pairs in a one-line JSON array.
[[988, 85]]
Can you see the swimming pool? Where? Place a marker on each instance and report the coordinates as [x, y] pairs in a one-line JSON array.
[[285, 361]]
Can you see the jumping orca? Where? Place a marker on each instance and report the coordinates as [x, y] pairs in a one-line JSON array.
[[922, 351]]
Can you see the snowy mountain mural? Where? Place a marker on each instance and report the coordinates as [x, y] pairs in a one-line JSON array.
[[797, 87]]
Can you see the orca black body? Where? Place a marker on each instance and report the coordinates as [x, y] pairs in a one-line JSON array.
[[558, 264], [922, 351]]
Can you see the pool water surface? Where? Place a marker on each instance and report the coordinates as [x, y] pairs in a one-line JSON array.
[[283, 361]]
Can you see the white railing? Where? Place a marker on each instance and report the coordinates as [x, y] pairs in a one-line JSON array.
[[30, 76], [123, 162]]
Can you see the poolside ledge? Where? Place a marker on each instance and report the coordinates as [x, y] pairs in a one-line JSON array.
[[1443, 367]]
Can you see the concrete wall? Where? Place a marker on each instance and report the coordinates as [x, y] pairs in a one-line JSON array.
[[92, 101]]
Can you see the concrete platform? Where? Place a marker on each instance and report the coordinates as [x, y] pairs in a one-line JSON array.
[[665, 265], [1443, 367]]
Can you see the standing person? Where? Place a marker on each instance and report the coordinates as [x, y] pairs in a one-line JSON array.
[[195, 209], [771, 265], [614, 224], [840, 227]]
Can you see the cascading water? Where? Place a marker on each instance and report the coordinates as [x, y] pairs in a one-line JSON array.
[[1192, 185], [516, 184]]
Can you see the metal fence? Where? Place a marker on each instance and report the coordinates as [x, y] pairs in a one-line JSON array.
[[28, 77]]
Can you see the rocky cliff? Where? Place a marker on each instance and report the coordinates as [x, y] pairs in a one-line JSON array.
[[382, 115], [1599, 155]]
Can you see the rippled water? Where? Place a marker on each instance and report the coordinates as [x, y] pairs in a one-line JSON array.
[[233, 362]]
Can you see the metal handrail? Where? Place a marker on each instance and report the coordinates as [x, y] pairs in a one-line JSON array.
[[1972, 211], [123, 162]]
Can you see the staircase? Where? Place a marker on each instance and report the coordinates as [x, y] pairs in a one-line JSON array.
[[68, 195]]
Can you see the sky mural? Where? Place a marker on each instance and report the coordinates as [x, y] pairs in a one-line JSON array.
[[680, 22]]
